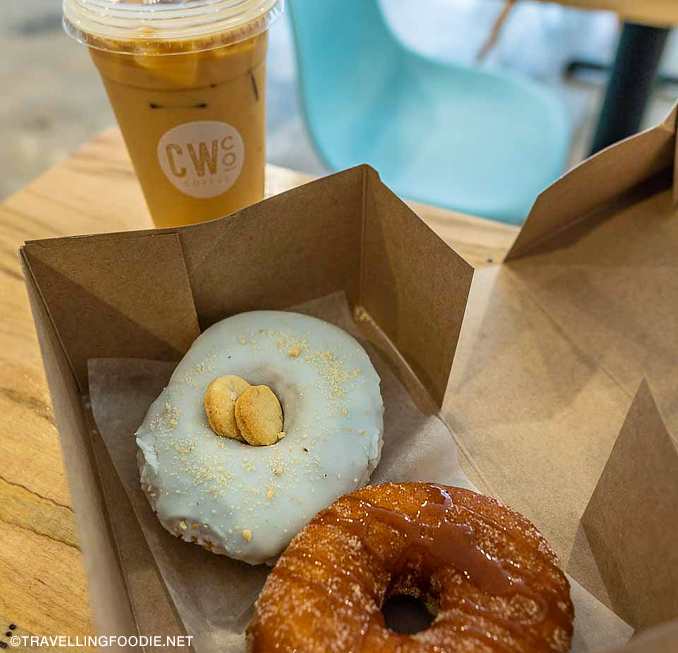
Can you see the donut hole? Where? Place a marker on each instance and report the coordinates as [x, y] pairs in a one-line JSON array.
[[412, 599], [413, 596], [406, 614]]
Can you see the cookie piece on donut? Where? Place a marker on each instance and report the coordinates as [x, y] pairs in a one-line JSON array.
[[220, 398], [259, 416]]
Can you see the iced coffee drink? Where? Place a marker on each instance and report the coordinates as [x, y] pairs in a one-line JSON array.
[[187, 83]]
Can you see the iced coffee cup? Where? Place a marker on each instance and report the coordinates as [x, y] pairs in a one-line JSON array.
[[186, 80]]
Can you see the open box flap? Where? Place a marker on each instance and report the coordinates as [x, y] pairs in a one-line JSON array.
[[286, 250], [610, 175], [123, 296], [412, 288], [632, 518]]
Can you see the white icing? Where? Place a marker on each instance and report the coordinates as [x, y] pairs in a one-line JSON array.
[[210, 489]]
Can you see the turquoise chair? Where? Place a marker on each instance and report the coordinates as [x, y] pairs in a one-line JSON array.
[[459, 137]]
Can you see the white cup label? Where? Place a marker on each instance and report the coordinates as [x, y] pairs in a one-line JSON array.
[[202, 158]]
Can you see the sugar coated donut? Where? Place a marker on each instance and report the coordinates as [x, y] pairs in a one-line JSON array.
[[247, 501], [485, 571]]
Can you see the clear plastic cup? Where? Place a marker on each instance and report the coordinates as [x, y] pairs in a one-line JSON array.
[[186, 79]]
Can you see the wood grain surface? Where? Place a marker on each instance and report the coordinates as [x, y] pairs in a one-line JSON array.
[[651, 12], [42, 581]]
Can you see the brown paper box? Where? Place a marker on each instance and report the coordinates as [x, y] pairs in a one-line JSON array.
[[553, 345], [143, 294]]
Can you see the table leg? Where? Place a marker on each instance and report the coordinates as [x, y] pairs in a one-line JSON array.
[[628, 90]]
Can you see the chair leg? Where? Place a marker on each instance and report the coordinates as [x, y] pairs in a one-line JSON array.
[[493, 37]]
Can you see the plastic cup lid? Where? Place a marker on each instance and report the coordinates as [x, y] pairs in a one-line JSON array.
[[166, 26]]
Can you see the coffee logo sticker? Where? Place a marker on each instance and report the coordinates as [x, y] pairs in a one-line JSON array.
[[203, 158]]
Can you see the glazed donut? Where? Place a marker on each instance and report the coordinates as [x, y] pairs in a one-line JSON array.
[[484, 570], [245, 501]]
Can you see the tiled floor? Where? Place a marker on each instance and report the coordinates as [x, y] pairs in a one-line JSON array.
[[53, 101]]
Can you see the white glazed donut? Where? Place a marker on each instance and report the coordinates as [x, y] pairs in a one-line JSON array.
[[248, 502]]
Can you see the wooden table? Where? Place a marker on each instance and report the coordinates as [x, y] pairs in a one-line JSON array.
[[42, 580], [651, 12]]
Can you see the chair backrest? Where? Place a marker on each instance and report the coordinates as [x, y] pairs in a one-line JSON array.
[[346, 55]]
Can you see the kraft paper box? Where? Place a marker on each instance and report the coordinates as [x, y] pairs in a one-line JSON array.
[[147, 295], [555, 344]]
